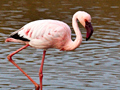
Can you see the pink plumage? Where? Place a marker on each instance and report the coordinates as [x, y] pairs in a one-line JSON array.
[[44, 34]]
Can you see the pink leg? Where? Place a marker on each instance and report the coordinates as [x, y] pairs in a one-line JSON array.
[[10, 59], [41, 69]]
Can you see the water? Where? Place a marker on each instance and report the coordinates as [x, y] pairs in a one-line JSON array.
[[95, 65]]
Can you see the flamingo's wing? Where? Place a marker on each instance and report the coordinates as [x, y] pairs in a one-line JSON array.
[[49, 34]]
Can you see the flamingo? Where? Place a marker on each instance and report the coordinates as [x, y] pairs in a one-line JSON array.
[[44, 34]]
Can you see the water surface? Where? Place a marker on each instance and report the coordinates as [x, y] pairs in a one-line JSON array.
[[95, 65]]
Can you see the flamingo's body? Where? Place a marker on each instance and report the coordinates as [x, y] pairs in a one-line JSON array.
[[44, 34]]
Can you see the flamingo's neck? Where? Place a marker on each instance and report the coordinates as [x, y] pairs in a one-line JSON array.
[[71, 45]]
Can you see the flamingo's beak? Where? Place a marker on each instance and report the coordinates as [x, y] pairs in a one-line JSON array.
[[89, 29]]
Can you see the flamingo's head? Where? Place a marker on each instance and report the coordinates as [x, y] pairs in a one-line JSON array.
[[85, 19]]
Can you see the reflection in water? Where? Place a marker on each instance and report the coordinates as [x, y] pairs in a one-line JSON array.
[[94, 65]]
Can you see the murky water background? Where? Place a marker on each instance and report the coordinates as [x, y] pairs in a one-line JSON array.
[[95, 65]]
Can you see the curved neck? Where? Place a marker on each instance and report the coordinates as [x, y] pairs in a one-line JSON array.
[[78, 39], [76, 43]]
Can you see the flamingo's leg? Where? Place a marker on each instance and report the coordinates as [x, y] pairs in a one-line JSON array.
[[9, 57], [41, 69]]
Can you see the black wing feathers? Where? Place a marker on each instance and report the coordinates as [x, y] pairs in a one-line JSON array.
[[16, 36]]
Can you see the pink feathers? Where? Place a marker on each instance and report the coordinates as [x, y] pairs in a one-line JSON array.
[[27, 31]]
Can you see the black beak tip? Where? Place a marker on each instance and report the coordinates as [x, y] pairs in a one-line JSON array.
[[87, 39]]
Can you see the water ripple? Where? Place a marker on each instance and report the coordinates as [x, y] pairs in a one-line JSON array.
[[94, 65]]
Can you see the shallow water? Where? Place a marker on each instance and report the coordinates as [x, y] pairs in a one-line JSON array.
[[95, 65]]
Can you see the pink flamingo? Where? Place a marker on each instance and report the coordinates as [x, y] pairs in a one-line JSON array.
[[44, 34]]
